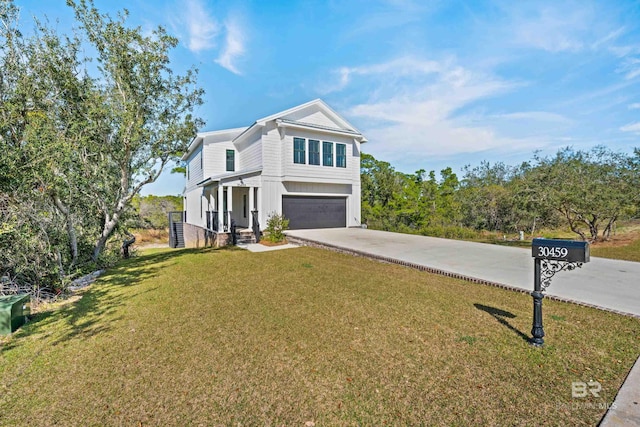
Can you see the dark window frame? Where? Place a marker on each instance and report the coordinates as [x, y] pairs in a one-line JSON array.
[[327, 160], [314, 156], [232, 159], [244, 205], [341, 159], [299, 155]]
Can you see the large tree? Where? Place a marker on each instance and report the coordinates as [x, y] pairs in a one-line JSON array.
[[589, 189], [81, 137], [148, 108]]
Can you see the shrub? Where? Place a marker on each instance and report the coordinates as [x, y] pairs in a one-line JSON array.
[[276, 224]]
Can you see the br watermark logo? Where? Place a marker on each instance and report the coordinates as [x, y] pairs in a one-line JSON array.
[[580, 389]]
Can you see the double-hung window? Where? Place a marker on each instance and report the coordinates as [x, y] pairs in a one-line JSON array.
[[327, 153], [314, 152], [231, 160], [341, 155], [298, 150]]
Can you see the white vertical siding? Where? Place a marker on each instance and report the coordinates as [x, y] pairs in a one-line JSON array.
[[271, 199], [354, 208], [238, 207], [196, 215]]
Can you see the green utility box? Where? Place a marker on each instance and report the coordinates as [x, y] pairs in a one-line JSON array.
[[14, 310]]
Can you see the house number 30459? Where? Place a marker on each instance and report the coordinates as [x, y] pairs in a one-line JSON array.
[[547, 252]]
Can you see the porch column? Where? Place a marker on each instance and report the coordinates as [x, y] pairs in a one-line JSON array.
[[261, 218], [220, 207], [252, 202], [229, 203]]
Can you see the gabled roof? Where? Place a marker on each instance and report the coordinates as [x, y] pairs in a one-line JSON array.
[[345, 126], [318, 102], [200, 136]]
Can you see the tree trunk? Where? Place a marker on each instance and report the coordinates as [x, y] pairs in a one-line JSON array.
[[533, 227], [572, 224], [606, 233], [71, 232], [593, 227], [109, 225]]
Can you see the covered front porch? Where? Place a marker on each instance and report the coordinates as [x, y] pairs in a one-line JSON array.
[[231, 205]]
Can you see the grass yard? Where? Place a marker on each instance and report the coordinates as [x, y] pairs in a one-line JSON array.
[[626, 247], [221, 337]]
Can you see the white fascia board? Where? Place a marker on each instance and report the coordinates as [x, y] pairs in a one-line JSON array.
[[192, 146], [331, 131], [200, 136], [246, 133], [339, 118], [218, 178], [264, 120], [323, 105]]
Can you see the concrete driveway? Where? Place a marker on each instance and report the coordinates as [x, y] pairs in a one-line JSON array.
[[610, 284]]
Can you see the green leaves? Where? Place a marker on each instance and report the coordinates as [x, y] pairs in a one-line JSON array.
[[586, 190], [392, 200], [82, 136]]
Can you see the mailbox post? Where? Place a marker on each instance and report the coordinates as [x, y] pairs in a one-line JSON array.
[[550, 257]]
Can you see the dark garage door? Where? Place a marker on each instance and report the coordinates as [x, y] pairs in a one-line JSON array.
[[314, 212]]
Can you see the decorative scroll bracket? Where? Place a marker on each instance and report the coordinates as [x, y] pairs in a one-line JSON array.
[[550, 267], [551, 257]]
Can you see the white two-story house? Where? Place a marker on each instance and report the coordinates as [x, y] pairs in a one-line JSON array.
[[303, 163]]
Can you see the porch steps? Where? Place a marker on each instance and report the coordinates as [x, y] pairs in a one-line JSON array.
[[245, 236], [178, 235]]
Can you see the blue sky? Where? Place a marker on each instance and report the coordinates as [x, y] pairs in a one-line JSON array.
[[430, 83]]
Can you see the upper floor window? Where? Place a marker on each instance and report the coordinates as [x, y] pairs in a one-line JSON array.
[[231, 160], [298, 150], [314, 152], [327, 153], [341, 155]]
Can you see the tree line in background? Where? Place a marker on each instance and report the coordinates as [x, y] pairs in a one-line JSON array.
[[584, 191], [80, 137], [152, 212]]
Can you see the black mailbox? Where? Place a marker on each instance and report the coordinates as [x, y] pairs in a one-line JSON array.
[[560, 250]]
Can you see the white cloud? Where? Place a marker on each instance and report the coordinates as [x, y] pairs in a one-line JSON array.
[[234, 46], [554, 29], [414, 110], [203, 32], [567, 26], [630, 67], [202, 28], [613, 35], [398, 68], [540, 116], [631, 127], [634, 106]]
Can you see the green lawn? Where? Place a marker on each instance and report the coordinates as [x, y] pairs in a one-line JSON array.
[[629, 251], [222, 337]]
